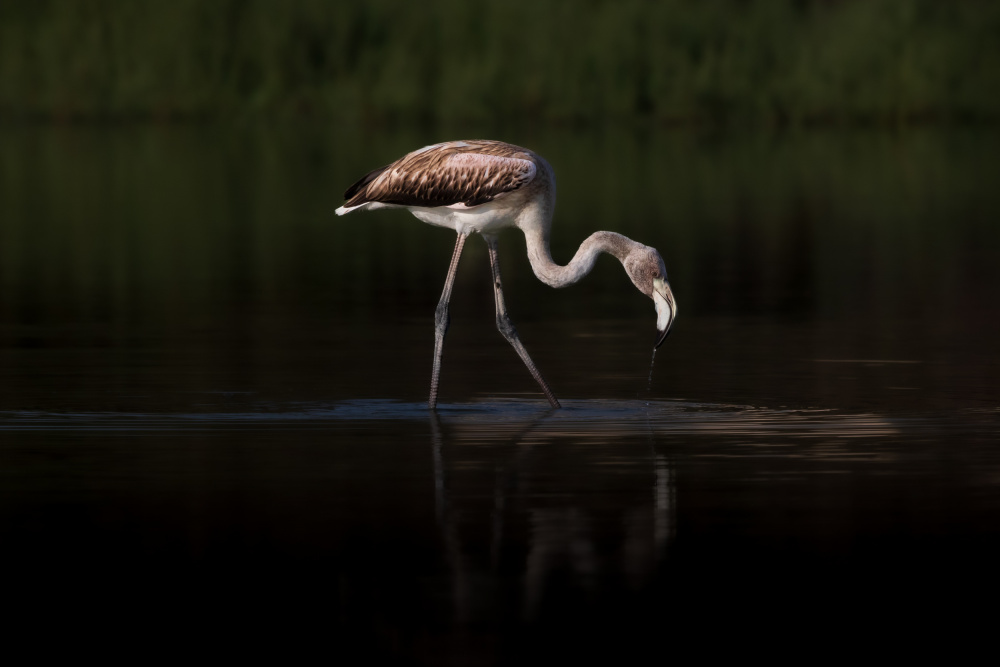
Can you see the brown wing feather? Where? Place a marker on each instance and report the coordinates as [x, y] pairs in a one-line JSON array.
[[360, 184], [460, 172]]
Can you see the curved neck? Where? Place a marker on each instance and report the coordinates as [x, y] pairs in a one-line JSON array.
[[583, 261]]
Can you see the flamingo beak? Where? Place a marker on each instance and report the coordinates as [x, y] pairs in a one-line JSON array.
[[666, 310]]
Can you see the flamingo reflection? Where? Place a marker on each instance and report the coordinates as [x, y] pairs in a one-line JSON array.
[[539, 539]]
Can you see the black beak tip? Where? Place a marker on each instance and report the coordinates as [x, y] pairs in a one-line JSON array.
[[661, 336]]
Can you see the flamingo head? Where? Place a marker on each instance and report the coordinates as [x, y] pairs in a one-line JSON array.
[[645, 267]]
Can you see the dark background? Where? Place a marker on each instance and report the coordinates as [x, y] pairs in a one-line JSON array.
[[213, 429]]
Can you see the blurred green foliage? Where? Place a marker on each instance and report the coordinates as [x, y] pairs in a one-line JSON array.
[[455, 61]]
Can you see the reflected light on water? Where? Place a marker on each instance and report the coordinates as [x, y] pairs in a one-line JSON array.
[[486, 420]]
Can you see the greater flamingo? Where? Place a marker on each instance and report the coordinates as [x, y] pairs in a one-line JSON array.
[[485, 186]]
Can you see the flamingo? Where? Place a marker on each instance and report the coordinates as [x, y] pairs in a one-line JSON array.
[[485, 186]]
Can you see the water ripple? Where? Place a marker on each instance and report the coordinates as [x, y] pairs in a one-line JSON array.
[[580, 418]]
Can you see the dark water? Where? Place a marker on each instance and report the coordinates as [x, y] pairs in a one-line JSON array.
[[212, 419]]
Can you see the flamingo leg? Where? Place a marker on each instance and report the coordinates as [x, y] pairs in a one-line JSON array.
[[507, 328], [441, 318]]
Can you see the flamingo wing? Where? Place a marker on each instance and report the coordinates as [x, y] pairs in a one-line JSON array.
[[457, 174]]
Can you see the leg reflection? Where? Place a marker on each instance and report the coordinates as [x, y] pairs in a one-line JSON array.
[[506, 484], [447, 517], [447, 525]]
